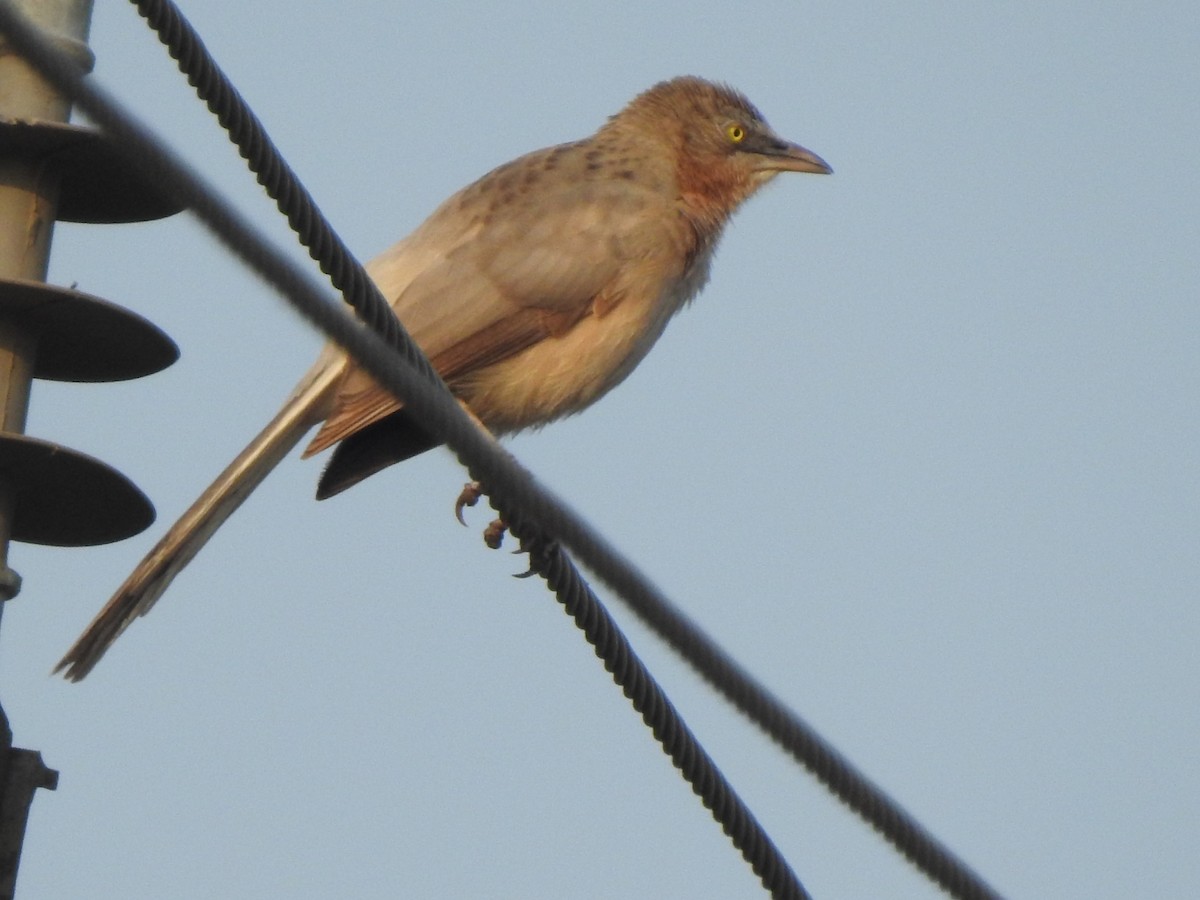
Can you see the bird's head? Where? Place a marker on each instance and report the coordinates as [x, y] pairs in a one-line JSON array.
[[722, 147]]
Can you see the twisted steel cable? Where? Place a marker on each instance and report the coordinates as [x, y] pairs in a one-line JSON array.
[[709, 660], [531, 511]]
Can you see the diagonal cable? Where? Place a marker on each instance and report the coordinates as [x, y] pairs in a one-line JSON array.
[[707, 658], [291, 198]]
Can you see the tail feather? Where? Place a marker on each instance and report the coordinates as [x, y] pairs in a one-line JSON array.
[[306, 407], [372, 449]]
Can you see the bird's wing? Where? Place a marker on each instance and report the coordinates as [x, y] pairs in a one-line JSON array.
[[491, 273]]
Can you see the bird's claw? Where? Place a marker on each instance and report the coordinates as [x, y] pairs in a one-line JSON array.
[[470, 495], [539, 551], [530, 570]]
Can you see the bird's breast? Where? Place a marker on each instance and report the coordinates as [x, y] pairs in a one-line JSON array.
[[563, 374]]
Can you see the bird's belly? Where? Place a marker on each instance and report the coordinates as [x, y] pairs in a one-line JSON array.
[[564, 374]]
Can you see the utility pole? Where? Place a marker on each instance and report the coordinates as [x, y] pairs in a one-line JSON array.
[[50, 494]]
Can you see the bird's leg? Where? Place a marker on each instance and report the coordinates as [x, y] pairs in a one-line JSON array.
[[493, 535]]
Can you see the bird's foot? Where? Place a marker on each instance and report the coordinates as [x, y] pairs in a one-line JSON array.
[[493, 535]]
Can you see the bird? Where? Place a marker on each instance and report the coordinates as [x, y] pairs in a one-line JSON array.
[[533, 291]]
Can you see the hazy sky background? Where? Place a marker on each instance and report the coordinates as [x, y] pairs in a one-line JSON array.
[[923, 456]]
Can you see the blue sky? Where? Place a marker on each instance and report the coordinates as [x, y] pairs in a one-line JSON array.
[[922, 456]]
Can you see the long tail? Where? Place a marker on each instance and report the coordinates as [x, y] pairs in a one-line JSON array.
[[306, 406]]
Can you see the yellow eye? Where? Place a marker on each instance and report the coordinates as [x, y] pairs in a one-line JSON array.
[[735, 133]]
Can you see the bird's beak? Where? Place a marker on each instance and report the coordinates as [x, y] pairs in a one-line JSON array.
[[782, 156]]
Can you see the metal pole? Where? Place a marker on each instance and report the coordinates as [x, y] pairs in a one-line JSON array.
[[28, 204]]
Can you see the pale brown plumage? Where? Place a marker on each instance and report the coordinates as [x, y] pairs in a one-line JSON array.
[[533, 291]]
